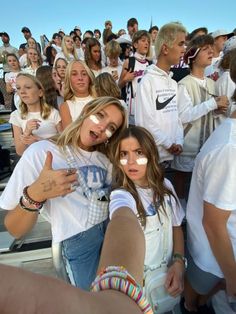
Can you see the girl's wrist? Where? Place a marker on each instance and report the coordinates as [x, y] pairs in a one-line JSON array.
[[35, 193], [179, 258]]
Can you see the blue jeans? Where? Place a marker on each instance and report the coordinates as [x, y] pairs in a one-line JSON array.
[[82, 252]]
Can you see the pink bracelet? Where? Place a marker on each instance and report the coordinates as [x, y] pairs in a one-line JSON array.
[[118, 278]]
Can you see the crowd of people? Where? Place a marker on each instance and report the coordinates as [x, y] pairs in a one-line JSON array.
[[109, 128]]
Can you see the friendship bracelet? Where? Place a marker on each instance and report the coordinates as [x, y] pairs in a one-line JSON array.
[[118, 278], [28, 208], [177, 257], [30, 200]]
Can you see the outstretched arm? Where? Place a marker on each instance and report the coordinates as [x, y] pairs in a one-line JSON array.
[[24, 292]]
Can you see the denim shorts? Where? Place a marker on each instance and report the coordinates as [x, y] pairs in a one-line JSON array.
[[82, 253], [201, 281]]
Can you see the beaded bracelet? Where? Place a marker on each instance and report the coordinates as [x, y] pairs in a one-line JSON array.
[[29, 199], [118, 278], [28, 208]]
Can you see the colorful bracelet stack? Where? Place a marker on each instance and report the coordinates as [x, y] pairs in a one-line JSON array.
[[118, 278], [27, 203]]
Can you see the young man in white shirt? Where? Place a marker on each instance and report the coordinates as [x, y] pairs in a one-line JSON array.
[[211, 217]]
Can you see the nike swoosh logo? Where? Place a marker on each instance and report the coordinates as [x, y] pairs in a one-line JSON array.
[[162, 105]]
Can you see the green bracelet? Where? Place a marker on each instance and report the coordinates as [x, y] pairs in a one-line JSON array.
[[180, 257]]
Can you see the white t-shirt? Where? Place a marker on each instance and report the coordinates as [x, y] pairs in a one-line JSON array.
[[154, 230], [58, 48], [62, 55], [67, 215], [29, 70], [23, 60], [225, 86], [10, 78], [139, 68], [213, 69], [111, 70], [96, 72], [47, 127], [213, 181], [77, 104]]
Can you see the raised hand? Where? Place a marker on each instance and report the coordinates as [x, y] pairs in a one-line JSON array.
[[52, 183], [31, 125], [222, 104]]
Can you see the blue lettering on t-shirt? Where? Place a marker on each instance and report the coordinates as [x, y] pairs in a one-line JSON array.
[[94, 174]]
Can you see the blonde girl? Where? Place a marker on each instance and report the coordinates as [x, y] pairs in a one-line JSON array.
[[34, 61], [68, 50], [44, 176], [10, 78], [78, 91], [35, 119]]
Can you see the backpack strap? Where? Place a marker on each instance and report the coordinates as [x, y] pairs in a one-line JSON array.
[[131, 65]]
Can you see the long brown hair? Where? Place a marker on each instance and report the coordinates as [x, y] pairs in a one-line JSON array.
[[44, 75], [90, 43], [155, 174]]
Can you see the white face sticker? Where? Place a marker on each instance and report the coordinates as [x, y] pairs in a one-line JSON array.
[[94, 119], [139, 161], [123, 162], [142, 161], [108, 133]]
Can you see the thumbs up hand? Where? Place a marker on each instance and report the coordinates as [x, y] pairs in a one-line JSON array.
[[52, 183]]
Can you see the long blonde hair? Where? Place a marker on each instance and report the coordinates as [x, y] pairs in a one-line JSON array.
[[155, 174], [71, 134], [68, 90], [65, 50], [45, 109], [39, 61]]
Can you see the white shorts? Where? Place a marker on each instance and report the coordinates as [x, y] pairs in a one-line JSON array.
[[183, 163]]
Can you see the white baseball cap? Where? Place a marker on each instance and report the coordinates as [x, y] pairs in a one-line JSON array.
[[125, 38], [221, 32]]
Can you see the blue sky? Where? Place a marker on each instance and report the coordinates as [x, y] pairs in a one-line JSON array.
[[47, 16]]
